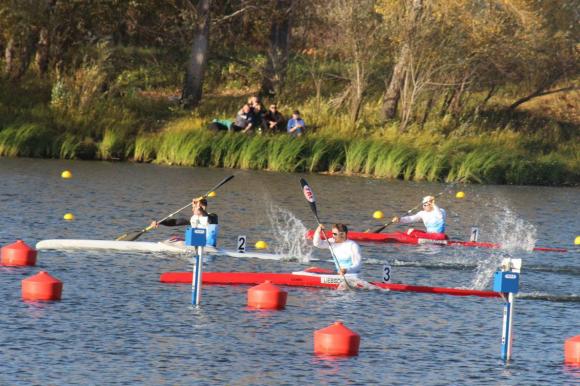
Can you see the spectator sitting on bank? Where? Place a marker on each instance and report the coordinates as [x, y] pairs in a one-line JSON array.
[[296, 125], [252, 101], [258, 116], [220, 124], [243, 121], [273, 120]]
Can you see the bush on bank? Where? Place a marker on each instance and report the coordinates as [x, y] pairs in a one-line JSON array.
[[496, 158]]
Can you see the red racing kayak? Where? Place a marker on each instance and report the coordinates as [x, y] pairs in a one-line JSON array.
[[403, 238], [313, 277]]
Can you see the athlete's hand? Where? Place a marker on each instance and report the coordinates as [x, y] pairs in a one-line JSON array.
[[395, 220], [343, 270], [154, 225]]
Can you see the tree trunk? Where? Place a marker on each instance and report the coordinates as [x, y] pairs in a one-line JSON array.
[[42, 50], [275, 69], [482, 104], [9, 56], [428, 108], [393, 92], [446, 102], [193, 85], [456, 104]]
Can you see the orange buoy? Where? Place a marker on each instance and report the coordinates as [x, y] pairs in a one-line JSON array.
[[336, 340], [18, 254], [572, 350], [267, 296], [41, 286]]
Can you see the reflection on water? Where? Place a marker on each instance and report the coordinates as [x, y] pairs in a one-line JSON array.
[[117, 324]]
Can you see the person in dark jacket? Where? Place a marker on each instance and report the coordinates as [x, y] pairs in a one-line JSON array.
[[274, 120]]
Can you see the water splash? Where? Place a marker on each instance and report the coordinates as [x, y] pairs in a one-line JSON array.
[[513, 233], [289, 231], [484, 271]]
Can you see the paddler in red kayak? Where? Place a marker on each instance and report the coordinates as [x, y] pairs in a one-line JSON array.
[[433, 217], [347, 252]]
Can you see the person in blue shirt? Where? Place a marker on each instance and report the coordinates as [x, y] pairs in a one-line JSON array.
[[296, 125]]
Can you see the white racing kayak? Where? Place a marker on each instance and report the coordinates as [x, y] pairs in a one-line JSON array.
[[168, 246]]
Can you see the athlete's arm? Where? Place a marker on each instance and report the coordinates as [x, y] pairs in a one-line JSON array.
[[356, 259], [172, 222], [317, 241], [409, 219]]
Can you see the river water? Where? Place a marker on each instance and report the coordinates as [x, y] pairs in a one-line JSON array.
[[117, 324]]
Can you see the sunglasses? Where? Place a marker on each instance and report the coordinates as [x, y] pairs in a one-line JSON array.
[[337, 233], [427, 203]]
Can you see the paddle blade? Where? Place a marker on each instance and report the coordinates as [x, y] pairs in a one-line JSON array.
[[309, 195], [130, 236]]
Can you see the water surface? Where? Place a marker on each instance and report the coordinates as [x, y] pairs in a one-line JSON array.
[[118, 325]]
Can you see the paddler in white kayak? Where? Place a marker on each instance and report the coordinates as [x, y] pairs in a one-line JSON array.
[[347, 252], [432, 216], [199, 219]]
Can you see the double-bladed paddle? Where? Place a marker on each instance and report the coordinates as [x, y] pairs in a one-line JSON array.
[[309, 195], [132, 236]]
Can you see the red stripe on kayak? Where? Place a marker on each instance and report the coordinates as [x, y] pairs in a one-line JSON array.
[[289, 279], [403, 238]]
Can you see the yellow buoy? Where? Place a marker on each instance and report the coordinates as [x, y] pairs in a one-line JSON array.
[[212, 194], [577, 240], [378, 215], [460, 195], [261, 245], [66, 174], [69, 216]]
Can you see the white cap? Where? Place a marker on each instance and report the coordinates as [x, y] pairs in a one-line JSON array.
[[427, 199]]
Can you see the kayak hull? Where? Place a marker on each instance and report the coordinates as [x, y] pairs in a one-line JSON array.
[[301, 279], [143, 246], [403, 238]]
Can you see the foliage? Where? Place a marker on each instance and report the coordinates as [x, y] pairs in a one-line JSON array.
[[487, 94]]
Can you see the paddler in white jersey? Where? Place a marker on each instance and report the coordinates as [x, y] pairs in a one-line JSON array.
[[347, 252], [432, 216], [199, 219]]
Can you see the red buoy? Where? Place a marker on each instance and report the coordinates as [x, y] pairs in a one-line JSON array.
[[572, 350], [336, 340], [18, 254], [41, 286], [267, 296]]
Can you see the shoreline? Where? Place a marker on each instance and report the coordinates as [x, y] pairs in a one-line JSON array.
[[451, 160]]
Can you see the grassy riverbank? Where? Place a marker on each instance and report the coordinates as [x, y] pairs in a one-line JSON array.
[[147, 127]]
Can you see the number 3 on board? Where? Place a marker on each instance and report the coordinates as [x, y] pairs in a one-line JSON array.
[[386, 273], [242, 244]]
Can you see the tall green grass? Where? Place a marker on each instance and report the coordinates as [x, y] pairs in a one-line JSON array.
[[29, 140], [356, 153], [285, 153], [395, 163], [112, 146], [253, 154], [187, 148], [145, 148]]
